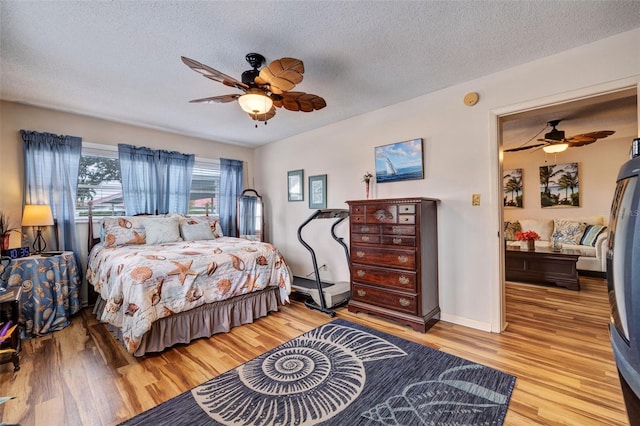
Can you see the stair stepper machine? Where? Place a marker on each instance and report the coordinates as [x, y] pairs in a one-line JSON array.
[[333, 294]]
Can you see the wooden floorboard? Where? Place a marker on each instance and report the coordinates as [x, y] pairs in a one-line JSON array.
[[556, 344]]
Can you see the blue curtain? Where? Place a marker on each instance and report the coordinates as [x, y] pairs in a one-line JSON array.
[[155, 181], [52, 163], [230, 189]]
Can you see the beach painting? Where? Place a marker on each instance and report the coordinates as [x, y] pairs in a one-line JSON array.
[[512, 188], [559, 186], [399, 161]]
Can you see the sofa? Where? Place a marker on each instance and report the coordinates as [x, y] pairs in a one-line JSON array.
[[586, 234]]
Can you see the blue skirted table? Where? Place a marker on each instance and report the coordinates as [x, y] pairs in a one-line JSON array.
[[50, 291]]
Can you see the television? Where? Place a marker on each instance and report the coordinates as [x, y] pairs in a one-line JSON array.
[[623, 283]]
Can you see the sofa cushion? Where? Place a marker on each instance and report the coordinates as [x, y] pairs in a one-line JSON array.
[[591, 234], [568, 232], [589, 220], [510, 229], [542, 227]]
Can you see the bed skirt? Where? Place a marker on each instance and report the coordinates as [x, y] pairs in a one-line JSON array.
[[203, 321]]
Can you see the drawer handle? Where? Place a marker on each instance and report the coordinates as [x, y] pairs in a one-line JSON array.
[[404, 302], [397, 231], [405, 219], [365, 229], [397, 241], [360, 273], [360, 253], [365, 238], [362, 293], [403, 280], [403, 259]]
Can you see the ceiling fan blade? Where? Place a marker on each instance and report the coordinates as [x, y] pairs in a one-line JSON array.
[[213, 74], [264, 117], [301, 101], [218, 99], [281, 75], [522, 148], [588, 138]]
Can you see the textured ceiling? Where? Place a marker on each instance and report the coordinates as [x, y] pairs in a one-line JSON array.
[[120, 60]]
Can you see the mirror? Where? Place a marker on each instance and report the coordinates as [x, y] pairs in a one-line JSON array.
[[250, 216]]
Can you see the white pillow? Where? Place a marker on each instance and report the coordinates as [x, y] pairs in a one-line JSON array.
[[196, 231], [542, 227], [162, 230]]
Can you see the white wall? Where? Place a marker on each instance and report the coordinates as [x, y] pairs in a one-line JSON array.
[[461, 158]]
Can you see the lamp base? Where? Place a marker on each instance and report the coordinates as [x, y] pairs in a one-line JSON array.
[[39, 244]]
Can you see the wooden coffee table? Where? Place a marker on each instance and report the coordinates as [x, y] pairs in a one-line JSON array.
[[542, 265]]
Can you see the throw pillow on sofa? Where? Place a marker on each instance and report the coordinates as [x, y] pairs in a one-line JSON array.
[[569, 232], [591, 234], [542, 227], [510, 229]]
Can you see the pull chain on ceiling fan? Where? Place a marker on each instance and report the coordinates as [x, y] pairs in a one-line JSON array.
[[555, 140], [264, 89]]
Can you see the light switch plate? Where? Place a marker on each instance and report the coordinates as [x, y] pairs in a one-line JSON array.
[[475, 199]]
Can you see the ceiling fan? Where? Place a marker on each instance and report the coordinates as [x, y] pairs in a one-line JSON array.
[[264, 89], [554, 141]]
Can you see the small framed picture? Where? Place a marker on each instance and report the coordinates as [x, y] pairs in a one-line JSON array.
[[295, 185], [399, 161], [318, 192]]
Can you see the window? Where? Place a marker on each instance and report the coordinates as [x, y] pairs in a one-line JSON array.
[[99, 182]]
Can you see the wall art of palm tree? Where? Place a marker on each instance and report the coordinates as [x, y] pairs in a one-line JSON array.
[[559, 186]]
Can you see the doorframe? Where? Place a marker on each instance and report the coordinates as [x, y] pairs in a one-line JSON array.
[[498, 308]]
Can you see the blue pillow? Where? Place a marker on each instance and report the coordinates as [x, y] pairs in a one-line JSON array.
[[591, 234]]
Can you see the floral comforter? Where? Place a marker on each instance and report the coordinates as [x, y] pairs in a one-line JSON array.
[[143, 283]]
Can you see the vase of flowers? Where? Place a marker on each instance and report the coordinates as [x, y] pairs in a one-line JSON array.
[[5, 231], [366, 179], [528, 239]]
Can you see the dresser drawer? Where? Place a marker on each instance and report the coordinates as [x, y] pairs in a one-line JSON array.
[[407, 208], [402, 280], [365, 229], [382, 213], [356, 211], [407, 218], [388, 257], [398, 230], [398, 240], [379, 297], [365, 238]]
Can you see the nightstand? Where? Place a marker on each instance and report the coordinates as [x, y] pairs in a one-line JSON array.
[[10, 311]]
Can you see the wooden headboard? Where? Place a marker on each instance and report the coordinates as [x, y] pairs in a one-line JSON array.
[[91, 241]]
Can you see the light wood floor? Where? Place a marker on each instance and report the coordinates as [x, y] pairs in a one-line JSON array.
[[556, 344]]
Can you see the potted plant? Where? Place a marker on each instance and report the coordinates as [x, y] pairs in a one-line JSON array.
[[528, 239], [5, 231]]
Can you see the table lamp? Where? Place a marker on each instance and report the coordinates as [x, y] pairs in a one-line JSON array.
[[37, 216]]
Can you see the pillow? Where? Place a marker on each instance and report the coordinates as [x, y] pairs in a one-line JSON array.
[[510, 229], [196, 231], [124, 230], [162, 230], [213, 222], [591, 234], [542, 227], [569, 232]]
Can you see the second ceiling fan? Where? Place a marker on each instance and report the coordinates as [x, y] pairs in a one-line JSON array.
[[264, 89], [555, 140]]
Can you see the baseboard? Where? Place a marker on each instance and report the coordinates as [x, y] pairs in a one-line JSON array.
[[482, 326]]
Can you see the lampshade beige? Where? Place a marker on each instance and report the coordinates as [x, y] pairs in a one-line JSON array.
[[37, 216]]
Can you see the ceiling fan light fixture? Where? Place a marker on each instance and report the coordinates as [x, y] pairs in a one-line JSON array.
[[254, 101], [555, 148]]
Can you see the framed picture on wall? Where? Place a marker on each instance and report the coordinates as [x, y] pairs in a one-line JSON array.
[[295, 185], [512, 188], [399, 161], [559, 186], [318, 192]]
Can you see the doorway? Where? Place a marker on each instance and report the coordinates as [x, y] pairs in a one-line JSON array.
[[617, 110]]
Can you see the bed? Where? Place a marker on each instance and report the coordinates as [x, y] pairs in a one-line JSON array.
[[169, 279]]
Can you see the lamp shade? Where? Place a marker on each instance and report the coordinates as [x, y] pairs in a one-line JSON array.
[[37, 215], [554, 148], [255, 101]]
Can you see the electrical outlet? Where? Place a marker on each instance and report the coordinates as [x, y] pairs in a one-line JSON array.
[[475, 199]]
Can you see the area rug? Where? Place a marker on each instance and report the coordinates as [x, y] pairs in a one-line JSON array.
[[344, 374]]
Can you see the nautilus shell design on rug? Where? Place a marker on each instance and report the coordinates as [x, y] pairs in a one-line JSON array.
[[305, 381], [428, 401]]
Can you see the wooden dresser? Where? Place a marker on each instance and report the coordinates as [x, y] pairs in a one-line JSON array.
[[394, 259]]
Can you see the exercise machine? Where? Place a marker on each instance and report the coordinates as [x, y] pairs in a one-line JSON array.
[[324, 295]]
